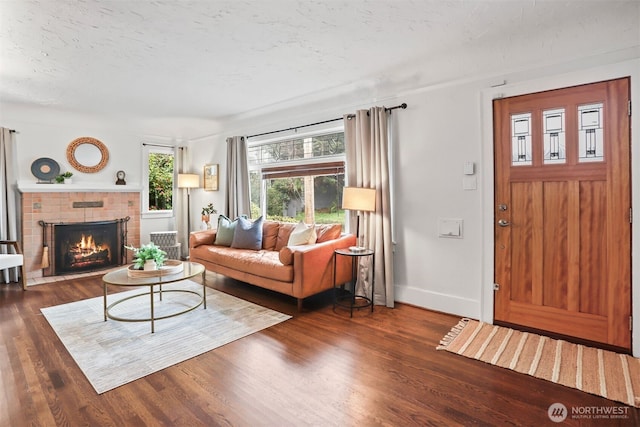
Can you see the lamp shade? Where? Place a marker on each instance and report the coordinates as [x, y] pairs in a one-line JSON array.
[[188, 180], [359, 199]]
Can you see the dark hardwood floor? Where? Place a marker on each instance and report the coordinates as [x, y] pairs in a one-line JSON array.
[[319, 368]]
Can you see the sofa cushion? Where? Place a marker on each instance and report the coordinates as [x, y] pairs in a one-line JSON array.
[[203, 238], [226, 230], [286, 255], [259, 263], [270, 235], [302, 234], [328, 232], [284, 231], [248, 235]]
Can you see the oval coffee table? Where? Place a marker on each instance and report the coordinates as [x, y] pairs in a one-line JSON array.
[[121, 278]]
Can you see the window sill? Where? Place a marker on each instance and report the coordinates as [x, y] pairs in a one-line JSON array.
[[157, 214]]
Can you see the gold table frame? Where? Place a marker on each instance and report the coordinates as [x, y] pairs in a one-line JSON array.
[[121, 277]]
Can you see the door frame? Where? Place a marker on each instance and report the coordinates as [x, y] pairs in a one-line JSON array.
[[613, 71]]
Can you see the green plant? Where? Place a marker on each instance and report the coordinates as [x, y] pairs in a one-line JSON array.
[[60, 178], [147, 252], [208, 210], [161, 166]]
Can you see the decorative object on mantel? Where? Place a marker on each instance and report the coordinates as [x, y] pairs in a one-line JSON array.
[[148, 257], [206, 216], [64, 178], [211, 177], [87, 154], [120, 178], [45, 169]]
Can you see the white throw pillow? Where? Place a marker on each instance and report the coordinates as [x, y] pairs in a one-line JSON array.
[[302, 234]]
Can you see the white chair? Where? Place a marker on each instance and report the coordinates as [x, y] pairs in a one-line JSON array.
[[12, 260]]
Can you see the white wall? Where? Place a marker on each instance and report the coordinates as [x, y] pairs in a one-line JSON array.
[[436, 135], [203, 151], [46, 132]]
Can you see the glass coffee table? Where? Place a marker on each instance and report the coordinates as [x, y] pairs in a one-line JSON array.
[[121, 278]]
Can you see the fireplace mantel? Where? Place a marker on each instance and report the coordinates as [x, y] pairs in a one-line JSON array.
[[81, 187], [82, 202]]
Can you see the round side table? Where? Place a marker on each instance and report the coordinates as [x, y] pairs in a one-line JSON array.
[[348, 297]]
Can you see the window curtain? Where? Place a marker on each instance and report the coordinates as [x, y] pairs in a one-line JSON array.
[[368, 165], [9, 206], [181, 164], [237, 200]]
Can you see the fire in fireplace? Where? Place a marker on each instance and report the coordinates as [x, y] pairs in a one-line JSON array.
[[85, 246], [87, 253]]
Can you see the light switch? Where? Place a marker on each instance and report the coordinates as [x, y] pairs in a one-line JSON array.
[[469, 183], [469, 168], [450, 228]]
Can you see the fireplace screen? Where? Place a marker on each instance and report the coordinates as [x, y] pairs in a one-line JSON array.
[[85, 246]]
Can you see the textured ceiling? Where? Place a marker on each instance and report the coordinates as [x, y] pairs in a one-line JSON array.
[[219, 58]]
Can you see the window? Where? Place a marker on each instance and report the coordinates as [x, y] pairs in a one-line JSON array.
[[159, 170], [298, 178]]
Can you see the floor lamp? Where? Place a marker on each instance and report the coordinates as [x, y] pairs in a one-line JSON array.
[[188, 181], [359, 199]]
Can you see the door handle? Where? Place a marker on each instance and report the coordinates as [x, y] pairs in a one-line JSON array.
[[503, 223]]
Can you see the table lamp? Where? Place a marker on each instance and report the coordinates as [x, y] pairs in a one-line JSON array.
[[188, 181], [359, 199]]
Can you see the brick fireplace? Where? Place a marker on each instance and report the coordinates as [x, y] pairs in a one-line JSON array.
[[59, 206]]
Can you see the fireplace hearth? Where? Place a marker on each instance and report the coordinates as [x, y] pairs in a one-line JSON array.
[[83, 246]]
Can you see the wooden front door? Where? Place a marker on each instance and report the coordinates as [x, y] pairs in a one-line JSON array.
[[563, 212]]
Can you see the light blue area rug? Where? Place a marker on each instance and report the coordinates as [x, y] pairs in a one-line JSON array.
[[113, 353]]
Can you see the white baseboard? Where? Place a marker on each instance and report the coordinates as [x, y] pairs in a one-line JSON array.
[[439, 302]]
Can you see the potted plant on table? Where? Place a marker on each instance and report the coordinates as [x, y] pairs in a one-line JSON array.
[[206, 214], [148, 257]]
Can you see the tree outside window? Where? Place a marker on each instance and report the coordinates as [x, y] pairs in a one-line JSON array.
[[159, 173], [160, 181], [299, 179]]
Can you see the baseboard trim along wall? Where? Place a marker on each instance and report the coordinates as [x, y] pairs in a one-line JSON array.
[[445, 303]]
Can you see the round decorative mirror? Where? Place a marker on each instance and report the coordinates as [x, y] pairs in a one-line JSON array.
[[87, 154]]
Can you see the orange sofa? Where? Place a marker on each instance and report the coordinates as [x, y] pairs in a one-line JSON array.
[[299, 271]]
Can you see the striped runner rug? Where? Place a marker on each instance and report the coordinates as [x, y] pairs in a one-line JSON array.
[[604, 373]]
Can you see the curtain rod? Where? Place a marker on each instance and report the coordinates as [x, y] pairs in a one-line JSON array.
[[157, 145], [403, 106]]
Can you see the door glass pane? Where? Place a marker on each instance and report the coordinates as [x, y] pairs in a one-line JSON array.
[[521, 139], [554, 136], [590, 133]]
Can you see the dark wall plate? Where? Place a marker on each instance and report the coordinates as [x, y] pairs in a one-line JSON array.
[[45, 168]]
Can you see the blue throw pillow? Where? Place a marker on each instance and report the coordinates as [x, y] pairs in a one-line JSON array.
[[248, 235], [226, 231]]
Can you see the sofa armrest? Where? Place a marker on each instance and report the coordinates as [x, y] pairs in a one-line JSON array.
[[313, 266], [204, 237]]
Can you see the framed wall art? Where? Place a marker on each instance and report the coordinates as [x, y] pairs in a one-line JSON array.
[[211, 177]]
